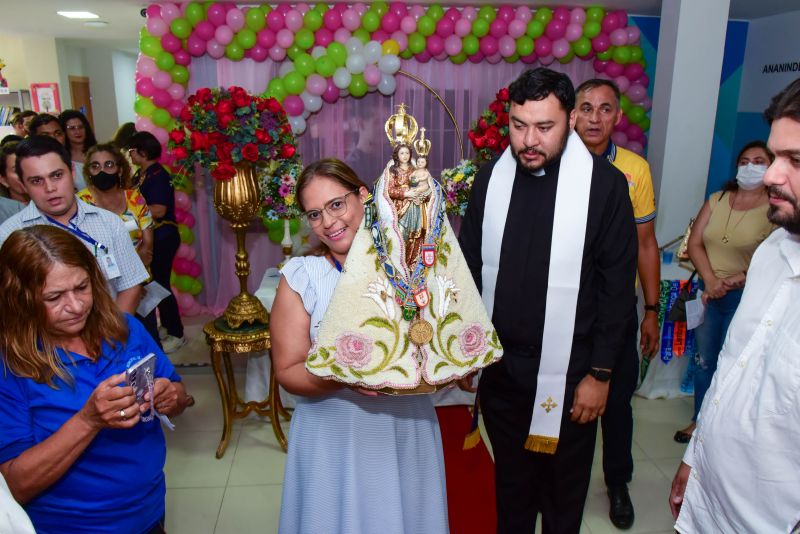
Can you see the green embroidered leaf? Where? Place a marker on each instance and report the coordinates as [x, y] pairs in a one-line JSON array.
[[432, 345], [383, 347], [399, 370], [356, 374], [471, 362], [488, 357], [405, 344], [323, 352], [449, 318], [378, 322], [312, 357], [494, 337], [337, 371], [439, 366], [450, 342], [447, 248], [443, 260]]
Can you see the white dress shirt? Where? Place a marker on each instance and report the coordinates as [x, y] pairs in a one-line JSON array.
[[745, 451], [13, 519]]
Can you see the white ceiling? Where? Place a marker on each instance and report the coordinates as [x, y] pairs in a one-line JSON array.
[[39, 16]]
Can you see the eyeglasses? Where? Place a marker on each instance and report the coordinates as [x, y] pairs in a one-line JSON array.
[[335, 208], [107, 165]]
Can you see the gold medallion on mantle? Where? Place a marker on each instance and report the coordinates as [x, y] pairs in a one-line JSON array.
[[237, 201]]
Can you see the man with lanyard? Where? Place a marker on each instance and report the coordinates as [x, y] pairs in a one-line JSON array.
[[550, 240], [597, 103], [44, 168]]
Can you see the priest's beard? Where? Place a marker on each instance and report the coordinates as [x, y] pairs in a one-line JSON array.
[[548, 157], [790, 222]]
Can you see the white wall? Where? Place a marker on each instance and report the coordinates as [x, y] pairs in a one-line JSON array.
[[100, 70], [72, 62], [30, 59], [125, 85]]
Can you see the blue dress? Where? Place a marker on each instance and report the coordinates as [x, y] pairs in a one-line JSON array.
[[359, 464]]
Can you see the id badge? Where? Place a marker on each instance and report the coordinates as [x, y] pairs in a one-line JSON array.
[[109, 265]]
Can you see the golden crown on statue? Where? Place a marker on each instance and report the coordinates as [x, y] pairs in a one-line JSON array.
[[401, 127], [422, 146]]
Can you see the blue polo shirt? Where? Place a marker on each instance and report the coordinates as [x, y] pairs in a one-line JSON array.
[[117, 484]]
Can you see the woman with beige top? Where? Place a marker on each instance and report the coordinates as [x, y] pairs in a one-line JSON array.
[[725, 234]]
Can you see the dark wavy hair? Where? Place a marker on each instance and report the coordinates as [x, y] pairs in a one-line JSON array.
[[539, 83], [39, 145], [68, 115], [785, 104]]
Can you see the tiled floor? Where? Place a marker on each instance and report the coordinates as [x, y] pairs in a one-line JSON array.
[[240, 493]]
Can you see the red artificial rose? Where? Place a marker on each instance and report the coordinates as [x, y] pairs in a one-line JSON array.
[[215, 138], [261, 104], [224, 151], [502, 119], [203, 95], [223, 171], [177, 136], [491, 142], [241, 99], [471, 135], [180, 152], [199, 142], [250, 152], [502, 94], [504, 143], [287, 151], [286, 128], [224, 107], [186, 114], [224, 119], [480, 142], [263, 137], [482, 124], [273, 105]]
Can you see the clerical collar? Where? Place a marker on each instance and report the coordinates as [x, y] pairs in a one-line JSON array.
[[611, 152]]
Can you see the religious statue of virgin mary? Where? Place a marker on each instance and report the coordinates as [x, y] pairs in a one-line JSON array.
[[405, 316]]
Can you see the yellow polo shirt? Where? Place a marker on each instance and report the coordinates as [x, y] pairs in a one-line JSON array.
[[640, 184]]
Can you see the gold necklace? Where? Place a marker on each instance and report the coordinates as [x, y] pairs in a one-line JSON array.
[[725, 238]]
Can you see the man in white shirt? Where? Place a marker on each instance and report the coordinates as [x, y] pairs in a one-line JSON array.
[[741, 471]]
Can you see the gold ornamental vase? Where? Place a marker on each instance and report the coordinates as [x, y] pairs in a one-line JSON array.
[[237, 201]]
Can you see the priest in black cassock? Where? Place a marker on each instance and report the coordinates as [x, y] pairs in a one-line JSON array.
[[550, 239]]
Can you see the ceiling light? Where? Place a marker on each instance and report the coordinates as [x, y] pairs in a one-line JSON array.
[[78, 14]]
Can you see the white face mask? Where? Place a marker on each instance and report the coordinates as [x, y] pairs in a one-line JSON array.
[[751, 176]]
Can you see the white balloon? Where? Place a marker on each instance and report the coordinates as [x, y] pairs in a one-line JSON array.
[[306, 114], [318, 52], [372, 52], [354, 45], [389, 64], [285, 68], [313, 104], [342, 78], [387, 85], [356, 64], [298, 124]]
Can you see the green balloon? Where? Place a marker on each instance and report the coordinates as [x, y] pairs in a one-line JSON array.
[[150, 46], [595, 13], [416, 43], [543, 15], [338, 53], [511, 59], [635, 114], [304, 38], [294, 82], [143, 106], [525, 46], [370, 21], [266, 9], [480, 27], [644, 124], [622, 55], [606, 55], [195, 13], [326, 66], [426, 26], [625, 103], [566, 59], [636, 53], [591, 29], [246, 38], [165, 60], [313, 20], [459, 59], [254, 18], [173, 279], [187, 236], [160, 117], [362, 35], [582, 47], [294, 51], [322, 8], [380, 8], [180, 74], [406, 54], [305, 64], [487, 13], [535, 29], [181, 28], [435, 12], [197, 287], [470, 45], [277, 89], [358, 86], [234, 51]]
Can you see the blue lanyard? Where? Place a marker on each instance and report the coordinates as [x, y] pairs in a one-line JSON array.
[[77, 232], [336, 264]]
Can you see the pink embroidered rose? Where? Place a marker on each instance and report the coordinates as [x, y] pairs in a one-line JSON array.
[[353, 350], [472, 340]]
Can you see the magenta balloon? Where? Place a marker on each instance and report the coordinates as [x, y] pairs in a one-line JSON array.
[[162, 79], [623, 124], [601, 43], [282, 9], [183, 248], [285, 38], [154, 11], [524, 14], [599, 65], [577, 16], [633, 35], [416, 11], [182, 200], [408, 24], [161, 98], [574, 32], [204, 30], [622, 19], [175, 107], [145, 87], [561, 13], [185, 300], [390, 22], [332, 19], [398, 8], [323, 37], [619, 138], [156, 26], [444, 28], [401, 39], [498, 28], [182, 57], [637, 93], [266, 38], [610, 23], [259, 53], [196, 46], [351, 20], [543, 47], [169, 12], [453, 14], [463, 27], [331, 93], [560, 48], [488, 45], [634, 132], [647, 103], [170, 43], [176, 91], [636, 147], [516, 28], [189, 221], [469, 13], [435, 45], [477, 57], [316, 84], [614, 69], [215, 49], [634, 71], [452, 45], [529, 59], [623, 83], [379, 35], [555, 29], [146, 66], [294, 20], [277, 53], [644, 80], [275, 20], [505, 13], [372, 74], [216, 14], [235, 19], [342, 35], [223, 35], [507, 46], [494, 58], [194, 268], [423, 57], [619, 37], [293, 105]]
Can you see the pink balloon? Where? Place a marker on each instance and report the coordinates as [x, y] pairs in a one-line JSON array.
[[332, 19], [494, 58], [636, 147], [619, 138], [161, 134], [275, 20], [331, 93], [156, 26], [176, 91], [285, 38], [303, 8], [452, 45], [154, 11], [223, 35], [294, 20], [498, 28], [529, 59], [215, 49], [469, 13], [614, 69], [543, 47], [282, 9], [409, 24], [183, 248], [623, 83], [524, 14], [316, 84], [555, 29], [391, 22], [561, 13], [636, 93], [601, 43], [205, 30], [189, 220], [634, 132], [372, 74], [416, 11], [195, 45], [401, 39], [216, 14], [145, 87], [435, 45], [516, 28], [182, 57], [323, 37], [190, 255], [161, 98], [146, 66], [463, 27], [398, 8], [175, 107], [505, 13], [379, 35], [599, 65], [144, 124], [453, 14], [162, 79], [577, 16], [235, 19], [623, 124], [445, 27], [647, 104], [351, 20], [633, 35], [488, 45], [619, 37], [342, 35], [170, 43], [169, 12], [574, 32], [644, 80], [423, 57], [276, 53], [182, 201], [185, 300], [560, 48], [610, 23], [259, 53], [507, 46], [293, 105]]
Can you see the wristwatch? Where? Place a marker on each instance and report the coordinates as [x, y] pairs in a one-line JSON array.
[[601, 375], [651, 307]]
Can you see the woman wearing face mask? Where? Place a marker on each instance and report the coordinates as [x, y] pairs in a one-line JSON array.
[[725, 234]]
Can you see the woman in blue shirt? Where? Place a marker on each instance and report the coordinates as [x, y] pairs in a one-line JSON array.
[[73, 448]]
